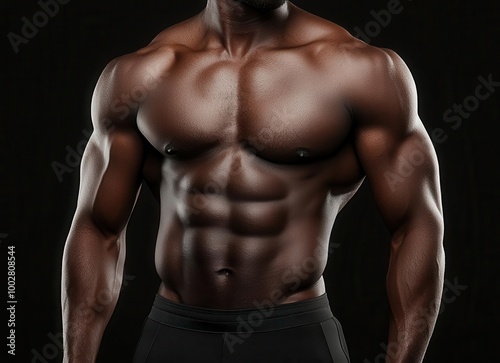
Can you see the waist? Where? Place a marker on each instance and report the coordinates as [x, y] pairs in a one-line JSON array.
[[262, 318]]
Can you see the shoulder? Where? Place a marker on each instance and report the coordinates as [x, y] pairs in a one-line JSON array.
[[155, 58], [333, 42], [376, 83], [152, 61], [123, 84], [382, 88], [127, 80], [380, 67], [133, 71]]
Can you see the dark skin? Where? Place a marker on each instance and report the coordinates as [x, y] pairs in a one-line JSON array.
[[253, 123]]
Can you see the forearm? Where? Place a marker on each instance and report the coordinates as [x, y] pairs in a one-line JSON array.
[[414, 284], [92, 275]]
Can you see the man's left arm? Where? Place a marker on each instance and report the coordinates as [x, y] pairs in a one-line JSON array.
[[402, 169]]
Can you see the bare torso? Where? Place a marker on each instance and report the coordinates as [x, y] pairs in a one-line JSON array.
[[252, 160], [253, 128]]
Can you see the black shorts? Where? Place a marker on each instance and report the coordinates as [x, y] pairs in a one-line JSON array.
[[300, 332]]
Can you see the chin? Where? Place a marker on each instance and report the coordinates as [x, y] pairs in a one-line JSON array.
[[264, 4]]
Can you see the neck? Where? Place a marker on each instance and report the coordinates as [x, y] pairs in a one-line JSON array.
[[241, 27]]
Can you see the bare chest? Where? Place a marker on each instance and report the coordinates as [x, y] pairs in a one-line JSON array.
[[282, 108]]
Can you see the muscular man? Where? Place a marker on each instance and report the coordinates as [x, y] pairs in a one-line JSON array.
[[253, 123]]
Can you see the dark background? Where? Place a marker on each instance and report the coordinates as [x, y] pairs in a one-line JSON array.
[[46, 92]]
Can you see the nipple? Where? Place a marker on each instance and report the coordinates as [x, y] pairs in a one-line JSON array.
[[170, 150], [303, 153]]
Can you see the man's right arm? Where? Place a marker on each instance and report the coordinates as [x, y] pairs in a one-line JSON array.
[[95, 248]]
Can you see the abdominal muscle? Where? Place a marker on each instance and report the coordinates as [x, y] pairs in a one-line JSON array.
[[237, 231], [236, 254]]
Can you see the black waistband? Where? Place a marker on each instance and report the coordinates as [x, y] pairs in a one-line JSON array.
[[259, 319]]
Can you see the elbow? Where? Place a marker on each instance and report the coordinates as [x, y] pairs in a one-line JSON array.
[[437, 222], [430, 221], [88, 227], [424, 228]]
